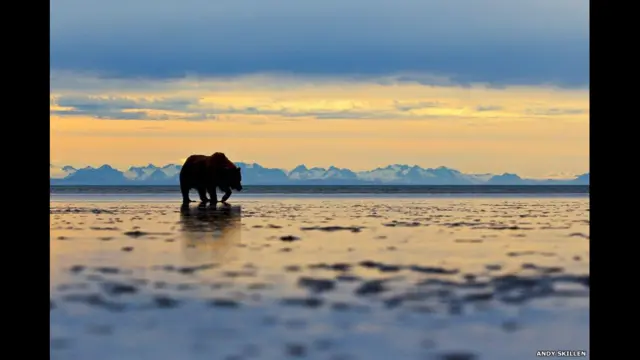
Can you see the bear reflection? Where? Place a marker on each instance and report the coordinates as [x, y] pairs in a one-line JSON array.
[[210, 233]]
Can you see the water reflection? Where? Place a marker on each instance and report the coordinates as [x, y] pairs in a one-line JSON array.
[[209, 234]]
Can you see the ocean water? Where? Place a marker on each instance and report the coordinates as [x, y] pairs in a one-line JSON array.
[[368, 191]]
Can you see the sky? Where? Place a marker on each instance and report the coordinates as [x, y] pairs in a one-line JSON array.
[[482, 86]]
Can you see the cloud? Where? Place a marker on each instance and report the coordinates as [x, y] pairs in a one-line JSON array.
[[129, 108], [488, 108], [556, 111], [263, 98], [357, 102], [500, 42], [408, 106], [123, 108]]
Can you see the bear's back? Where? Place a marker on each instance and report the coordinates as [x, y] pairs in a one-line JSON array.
[[220, 160]]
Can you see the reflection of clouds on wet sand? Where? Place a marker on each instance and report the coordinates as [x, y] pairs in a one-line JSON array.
[[326, 279], [209, 234]]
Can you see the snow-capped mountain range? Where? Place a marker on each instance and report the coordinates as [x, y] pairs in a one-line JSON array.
[[255, 174]]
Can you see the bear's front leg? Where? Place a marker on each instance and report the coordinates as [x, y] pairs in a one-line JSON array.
[[227, 194]]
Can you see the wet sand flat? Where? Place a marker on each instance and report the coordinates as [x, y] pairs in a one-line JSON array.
[[314, 278]]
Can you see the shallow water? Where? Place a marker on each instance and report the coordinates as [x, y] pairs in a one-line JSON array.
[[350, 278]]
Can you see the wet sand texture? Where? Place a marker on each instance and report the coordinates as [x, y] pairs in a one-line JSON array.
[[320, 279]]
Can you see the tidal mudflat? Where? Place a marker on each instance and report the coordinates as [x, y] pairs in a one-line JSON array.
[[313, 278]]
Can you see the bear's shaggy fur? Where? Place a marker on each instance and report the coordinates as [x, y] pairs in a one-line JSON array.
[[204, 173]]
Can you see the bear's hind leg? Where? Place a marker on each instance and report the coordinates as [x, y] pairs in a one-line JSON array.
[[212, 194], [184, 189], [202, 192]]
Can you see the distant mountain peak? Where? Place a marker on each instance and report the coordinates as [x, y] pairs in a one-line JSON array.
[[509, 175], [506, 179], [254, 174]]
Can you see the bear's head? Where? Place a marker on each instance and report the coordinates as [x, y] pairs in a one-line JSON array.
[[233, 178]]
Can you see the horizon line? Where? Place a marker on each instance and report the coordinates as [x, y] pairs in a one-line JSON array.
[[334, 185], [308, 167]]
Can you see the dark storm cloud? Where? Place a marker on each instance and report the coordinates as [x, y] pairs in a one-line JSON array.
[[497, 41]]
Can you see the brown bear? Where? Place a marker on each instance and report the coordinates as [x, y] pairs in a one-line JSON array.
[[205, 173]]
